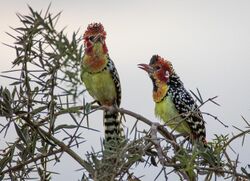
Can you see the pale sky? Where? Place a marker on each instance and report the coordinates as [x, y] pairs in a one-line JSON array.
[[208, 42]]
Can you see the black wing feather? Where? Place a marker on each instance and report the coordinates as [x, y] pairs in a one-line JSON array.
[[115, 76], [185, 105]]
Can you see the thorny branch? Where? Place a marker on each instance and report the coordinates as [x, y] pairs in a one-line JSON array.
[[154, 126], [237, 136], [24, 163]]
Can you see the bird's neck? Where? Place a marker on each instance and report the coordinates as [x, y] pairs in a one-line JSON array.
[[95, 58], [160, 90], [96, 48]]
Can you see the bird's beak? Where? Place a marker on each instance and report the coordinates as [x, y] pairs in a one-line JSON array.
[[146, 67], [97, 38]]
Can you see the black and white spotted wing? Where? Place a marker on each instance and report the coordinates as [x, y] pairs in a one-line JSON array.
[[115, 76], [185, 104]]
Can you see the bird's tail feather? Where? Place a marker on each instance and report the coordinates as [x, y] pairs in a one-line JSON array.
[[113, 127]]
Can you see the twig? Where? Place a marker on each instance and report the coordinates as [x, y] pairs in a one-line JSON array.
[[216, 118], [156, 142], [22, 164], [64, 147], [162, 130], [217, 170], [237, 136]]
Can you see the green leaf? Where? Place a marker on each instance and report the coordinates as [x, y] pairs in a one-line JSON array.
[[87, 108], [245, 172], [16, 83], [20, 133], [7, 158], [4, 162], [1, 176], [6, 95], [38, 110], [153, 162], [65, 126], [20, 147]]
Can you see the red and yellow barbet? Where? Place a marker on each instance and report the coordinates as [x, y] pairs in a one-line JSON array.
[[101, 78], [173, 103]]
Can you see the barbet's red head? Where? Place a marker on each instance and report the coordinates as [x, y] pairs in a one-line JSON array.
[[95, 34], [158, 68]]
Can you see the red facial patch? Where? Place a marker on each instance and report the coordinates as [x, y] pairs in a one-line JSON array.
[[93, 30], [166, 65], [162, 75], [165, 69]]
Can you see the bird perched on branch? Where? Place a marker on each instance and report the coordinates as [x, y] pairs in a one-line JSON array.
[[101, 78], [173, 103]]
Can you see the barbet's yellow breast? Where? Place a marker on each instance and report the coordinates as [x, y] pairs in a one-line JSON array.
[[167, 112], [100, 86]]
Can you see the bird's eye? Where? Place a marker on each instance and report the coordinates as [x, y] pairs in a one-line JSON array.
[[157, 67], [91, 38]]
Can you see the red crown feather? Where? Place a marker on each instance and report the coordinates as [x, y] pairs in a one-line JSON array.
[[94, 29]]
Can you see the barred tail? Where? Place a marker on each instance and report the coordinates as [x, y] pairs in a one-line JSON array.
[[113, 127]]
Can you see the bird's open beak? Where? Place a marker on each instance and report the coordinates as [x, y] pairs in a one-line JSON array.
[[146, 67]]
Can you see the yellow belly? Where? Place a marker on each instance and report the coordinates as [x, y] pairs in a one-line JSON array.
[[100, 86], [167, 112]]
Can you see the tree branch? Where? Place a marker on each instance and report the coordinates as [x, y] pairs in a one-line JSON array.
[[64, 147], [236, 136], [22, 164]]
